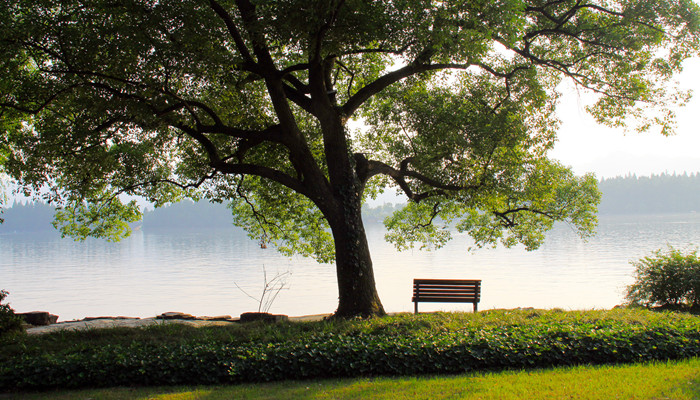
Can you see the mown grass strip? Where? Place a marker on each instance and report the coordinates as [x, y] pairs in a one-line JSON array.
[[678, 380]]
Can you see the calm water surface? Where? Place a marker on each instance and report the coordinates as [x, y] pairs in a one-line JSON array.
[[200, 272]]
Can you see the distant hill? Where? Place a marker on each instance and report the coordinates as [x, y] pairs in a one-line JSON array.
[[35, 217], [188, 215], [27, 217], [655, 194]]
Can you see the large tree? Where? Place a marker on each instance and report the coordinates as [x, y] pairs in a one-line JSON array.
[[252, 102]]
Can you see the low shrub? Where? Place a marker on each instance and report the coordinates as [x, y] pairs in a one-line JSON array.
[[388, 346], [9, 322], [666, 278]]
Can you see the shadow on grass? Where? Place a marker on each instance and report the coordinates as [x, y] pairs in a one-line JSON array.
[[678, 380]]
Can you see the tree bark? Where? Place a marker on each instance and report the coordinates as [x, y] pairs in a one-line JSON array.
[[357, 292]]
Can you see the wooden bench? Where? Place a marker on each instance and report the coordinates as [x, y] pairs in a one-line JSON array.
[[446, 291]]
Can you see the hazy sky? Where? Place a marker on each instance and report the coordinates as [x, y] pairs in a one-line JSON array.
[[589, 147]]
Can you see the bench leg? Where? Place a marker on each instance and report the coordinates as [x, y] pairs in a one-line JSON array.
[[415, 307], [476, 309]]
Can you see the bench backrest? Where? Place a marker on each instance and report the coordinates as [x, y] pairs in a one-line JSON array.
[[446, 291]]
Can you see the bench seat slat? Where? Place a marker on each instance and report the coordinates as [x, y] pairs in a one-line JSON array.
[[445, 300], [424, 287], [446, 291]]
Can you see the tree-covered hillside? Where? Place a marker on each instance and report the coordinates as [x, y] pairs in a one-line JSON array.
[[34, 217], [655, 194], [188, 215], [27, 217]]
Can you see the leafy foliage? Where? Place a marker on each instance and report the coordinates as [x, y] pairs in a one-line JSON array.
[[667, 278], [106, 219], [398, 345], [9, 322], [307, 234], [143, 104]]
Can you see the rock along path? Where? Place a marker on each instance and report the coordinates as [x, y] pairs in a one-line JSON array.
[[114, 322]]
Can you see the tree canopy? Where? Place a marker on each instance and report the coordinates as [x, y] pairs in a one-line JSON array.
[[253, 102]]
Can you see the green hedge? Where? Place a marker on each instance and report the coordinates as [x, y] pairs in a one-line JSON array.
[[328, 354]]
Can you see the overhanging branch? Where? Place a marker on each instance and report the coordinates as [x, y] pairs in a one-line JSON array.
[[263, 172], [509, 221], [233, 31], [399, 176], [389, 79]]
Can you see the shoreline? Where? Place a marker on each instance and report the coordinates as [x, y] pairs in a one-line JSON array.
[[135, 322]]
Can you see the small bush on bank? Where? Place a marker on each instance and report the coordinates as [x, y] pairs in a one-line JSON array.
[[397, 345], [9, 322], [666, 279]]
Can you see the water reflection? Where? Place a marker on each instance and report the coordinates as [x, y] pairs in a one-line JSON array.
[[197, 272]]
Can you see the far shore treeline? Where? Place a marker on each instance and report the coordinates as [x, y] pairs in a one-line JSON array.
[[655, 194], [628, 195]]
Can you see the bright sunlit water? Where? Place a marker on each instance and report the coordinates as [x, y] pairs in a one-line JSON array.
[[200, 272]]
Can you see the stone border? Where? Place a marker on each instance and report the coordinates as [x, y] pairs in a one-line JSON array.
[[135, 322]]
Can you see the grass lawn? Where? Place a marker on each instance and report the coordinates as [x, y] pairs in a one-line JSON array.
[[660, 380]]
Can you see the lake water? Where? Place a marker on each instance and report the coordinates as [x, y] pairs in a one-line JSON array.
[[200, 272]]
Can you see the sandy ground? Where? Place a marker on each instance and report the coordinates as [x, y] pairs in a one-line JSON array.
[[137, 322]]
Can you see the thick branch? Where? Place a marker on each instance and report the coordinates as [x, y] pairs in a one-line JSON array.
[[387, 80], [222, 165], [233, 31], [250, 20], [192, 185], [294, 68], [399, 176], [315, 55], [298, 98], [509, 222], [263, 172], [207, 144], [41, 106]]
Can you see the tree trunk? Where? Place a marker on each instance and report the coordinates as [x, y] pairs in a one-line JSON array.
[[357, 292]]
